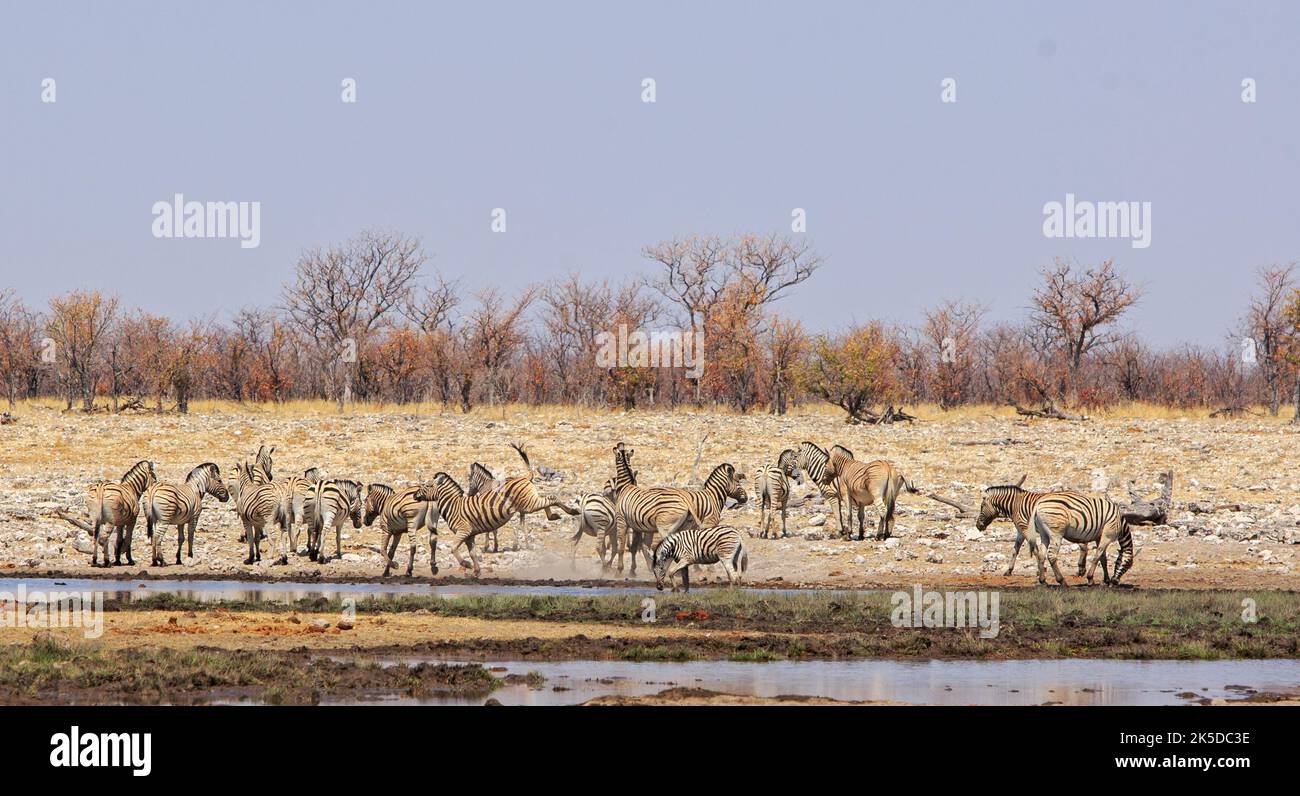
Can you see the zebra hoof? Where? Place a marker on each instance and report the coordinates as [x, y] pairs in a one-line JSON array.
[[248, 560]]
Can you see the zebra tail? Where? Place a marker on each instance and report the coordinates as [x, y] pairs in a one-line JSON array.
[[523, 454]]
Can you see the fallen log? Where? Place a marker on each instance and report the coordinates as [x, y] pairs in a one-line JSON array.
[[77, 523], [1142, 511], [1048, 411], [962, 511]]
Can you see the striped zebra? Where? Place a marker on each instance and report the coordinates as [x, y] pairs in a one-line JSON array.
[[262, 464], [596, 518], [298, 496], [1012, 502], [258, 505], [1082, 519], [675, 553], [706, 502], [480, 478], [116, 506], [469, 516], [861, 484], [772, 486], [402, 511], [334, 503], [642, 510], [180, 505], [814, 462]]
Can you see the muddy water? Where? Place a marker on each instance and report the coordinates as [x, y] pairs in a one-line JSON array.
[[289, 592], [1031, 682]]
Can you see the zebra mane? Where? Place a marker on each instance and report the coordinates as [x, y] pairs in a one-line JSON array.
[[442, 479], [813, 446], [725, 467], [311, 474], [383, 489], [843, 450], [143, 464], [202, 473]]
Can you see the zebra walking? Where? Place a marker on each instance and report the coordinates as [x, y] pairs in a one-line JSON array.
[[643, 511], [402, 511], [1012, 502], [334, 503], [180, 505], [259, 505], [861, 484], [675, 553], [1083, 519], [772, 486], [115, 507], [596, 518]]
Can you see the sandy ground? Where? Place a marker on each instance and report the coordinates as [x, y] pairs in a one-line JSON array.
[[1237, 495]]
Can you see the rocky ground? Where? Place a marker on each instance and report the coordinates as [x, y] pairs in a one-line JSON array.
[[1234, 522]]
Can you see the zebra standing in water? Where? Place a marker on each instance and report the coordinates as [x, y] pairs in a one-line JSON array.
[[705, 502], [258, 505], [812, 460], [117, 506], [676, 552], [468, 516], [1075, 517], [335, 502], [596, 518], [402, 511], [1016, 504], [180, 505], [860, 485], [772, 485], [641, 510]]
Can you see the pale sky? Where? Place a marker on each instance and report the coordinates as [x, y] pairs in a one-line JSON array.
[[761, 108]]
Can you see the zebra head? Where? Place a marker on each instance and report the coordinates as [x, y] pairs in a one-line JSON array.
[[788, 463], [997, 503], [479, 478], [262, 464], [609, 490], [376, 496], [206, 478], [664, 555], [352, 491], [311, 474], [729, 481]]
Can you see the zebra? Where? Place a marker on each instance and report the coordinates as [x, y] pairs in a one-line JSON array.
[[772, 486], [1016, 504], [860, 485], [468, 516], [298, 494], [642, 510], [262, 465], [403, 510], [706, 502], [259, 505], [180, 505], [481, 478], [675, 553], [596, 518], [117, 506], [1075, 517], [813, 461], [334, 502]]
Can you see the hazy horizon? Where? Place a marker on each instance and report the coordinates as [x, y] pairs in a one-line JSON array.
[[760, 108]]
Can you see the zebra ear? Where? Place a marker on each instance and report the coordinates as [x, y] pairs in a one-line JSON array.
[[1022, 479]]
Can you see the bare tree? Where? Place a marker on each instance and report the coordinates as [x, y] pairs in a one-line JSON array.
[[495, 331], [18, 352], [78, 324], [342, 294], [1074, 313], [951, 330], [1267, 328]]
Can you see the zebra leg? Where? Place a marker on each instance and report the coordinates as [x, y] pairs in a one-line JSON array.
[[1040, 527], [180, 542], [1097, 555], [862, 523], [1083, 559], [338, 539], [784, 532], [410, 561], [1052, 550], [117, 549], [1015, 552], [389, 545], [433, 551], [469, 547], [251, 537]]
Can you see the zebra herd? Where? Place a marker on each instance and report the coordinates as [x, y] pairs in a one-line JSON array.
[[671, 528]]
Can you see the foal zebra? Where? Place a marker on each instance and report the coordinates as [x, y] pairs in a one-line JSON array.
[[772, 485], [1075, 517], [1016, 504], [643, 511], [117, 505], [402, 511], [334, 503], [180, 505], [258, 505], [699, 546], [860, 485]]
